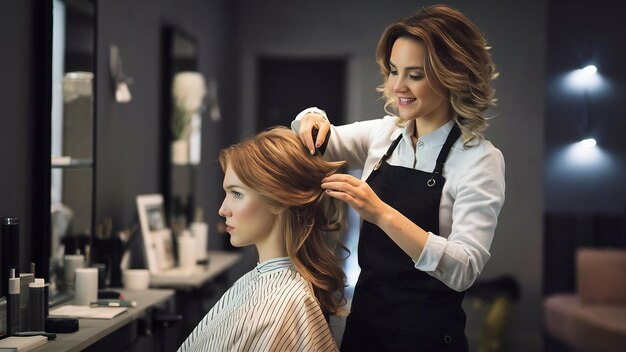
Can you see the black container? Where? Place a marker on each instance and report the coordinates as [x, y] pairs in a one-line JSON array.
[[117, 252], [102, 275], [25, 280], [10, 251], [76, 243], [37, 305]]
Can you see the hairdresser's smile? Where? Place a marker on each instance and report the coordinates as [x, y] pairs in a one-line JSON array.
[[405, 101]]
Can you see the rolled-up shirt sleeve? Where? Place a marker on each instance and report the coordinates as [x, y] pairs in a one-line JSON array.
[[478, 197], [350, 142]]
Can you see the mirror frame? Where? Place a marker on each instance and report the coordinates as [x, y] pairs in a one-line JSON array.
[[41, 235], [42, 169]]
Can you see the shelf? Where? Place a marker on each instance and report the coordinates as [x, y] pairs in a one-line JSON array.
[[96, 331], [69, 163], [184, 165]]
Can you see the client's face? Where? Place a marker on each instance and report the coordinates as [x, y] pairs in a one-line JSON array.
[[248, 218]]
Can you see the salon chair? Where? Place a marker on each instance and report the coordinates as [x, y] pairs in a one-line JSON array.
[[155, 331]]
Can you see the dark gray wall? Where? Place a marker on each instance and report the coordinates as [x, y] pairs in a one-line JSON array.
[[593, 185], [18, 108], [129, 135]]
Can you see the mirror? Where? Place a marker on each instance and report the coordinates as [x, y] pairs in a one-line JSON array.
[[72, 135], [183, 103]]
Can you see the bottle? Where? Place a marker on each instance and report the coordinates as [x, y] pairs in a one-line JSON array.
[[200, 233], [13, 303]]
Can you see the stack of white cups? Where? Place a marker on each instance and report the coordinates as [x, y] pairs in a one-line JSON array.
[[71, 262]]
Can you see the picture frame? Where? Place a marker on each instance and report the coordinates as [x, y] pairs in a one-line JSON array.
[[158, 243]]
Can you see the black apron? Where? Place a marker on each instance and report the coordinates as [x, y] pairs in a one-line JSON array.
[[395, 306]]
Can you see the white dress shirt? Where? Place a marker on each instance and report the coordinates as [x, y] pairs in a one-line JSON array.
[[471, 198], [270, 308]]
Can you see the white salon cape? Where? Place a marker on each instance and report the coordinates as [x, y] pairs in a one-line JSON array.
[[271, 308]]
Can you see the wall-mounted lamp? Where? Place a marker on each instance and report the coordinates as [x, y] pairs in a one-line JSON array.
[[582, 158], [120, 80], [586, 78], [588, 75]]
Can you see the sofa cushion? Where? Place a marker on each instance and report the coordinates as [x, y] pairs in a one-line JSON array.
[[601, 276], [594, 328]]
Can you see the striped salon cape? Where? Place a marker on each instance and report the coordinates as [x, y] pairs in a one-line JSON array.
[[270, 308]]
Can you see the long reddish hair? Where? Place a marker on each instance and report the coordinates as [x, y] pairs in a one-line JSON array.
[[277, 166]]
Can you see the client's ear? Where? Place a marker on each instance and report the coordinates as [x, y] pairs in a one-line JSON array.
[[277, 210]]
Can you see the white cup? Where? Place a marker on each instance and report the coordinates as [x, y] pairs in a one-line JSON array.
[[186, 252], [71, 262], [86, 286], [136, 279]]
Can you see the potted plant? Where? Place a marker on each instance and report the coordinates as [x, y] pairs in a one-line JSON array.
[[188, 91]]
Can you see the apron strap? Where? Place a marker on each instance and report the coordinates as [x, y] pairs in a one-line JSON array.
[[388, 153], [454, 134]]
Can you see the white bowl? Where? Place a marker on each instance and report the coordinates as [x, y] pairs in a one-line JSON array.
[[136, 279]]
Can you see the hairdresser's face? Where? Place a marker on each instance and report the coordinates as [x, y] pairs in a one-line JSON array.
[[248, 218], [416, 96]]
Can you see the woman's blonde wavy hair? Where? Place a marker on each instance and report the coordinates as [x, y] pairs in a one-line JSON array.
[[277, 166], [457, 53]]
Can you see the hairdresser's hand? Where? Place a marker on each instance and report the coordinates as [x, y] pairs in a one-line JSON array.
[[358, 194], [310, 122]]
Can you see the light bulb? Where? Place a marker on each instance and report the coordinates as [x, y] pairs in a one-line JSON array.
[[590, 69], [588, 143]]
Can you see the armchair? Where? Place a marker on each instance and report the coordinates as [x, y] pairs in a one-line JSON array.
[[594, 317]]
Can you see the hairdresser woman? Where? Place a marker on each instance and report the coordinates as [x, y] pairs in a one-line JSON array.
[[431, 189]]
